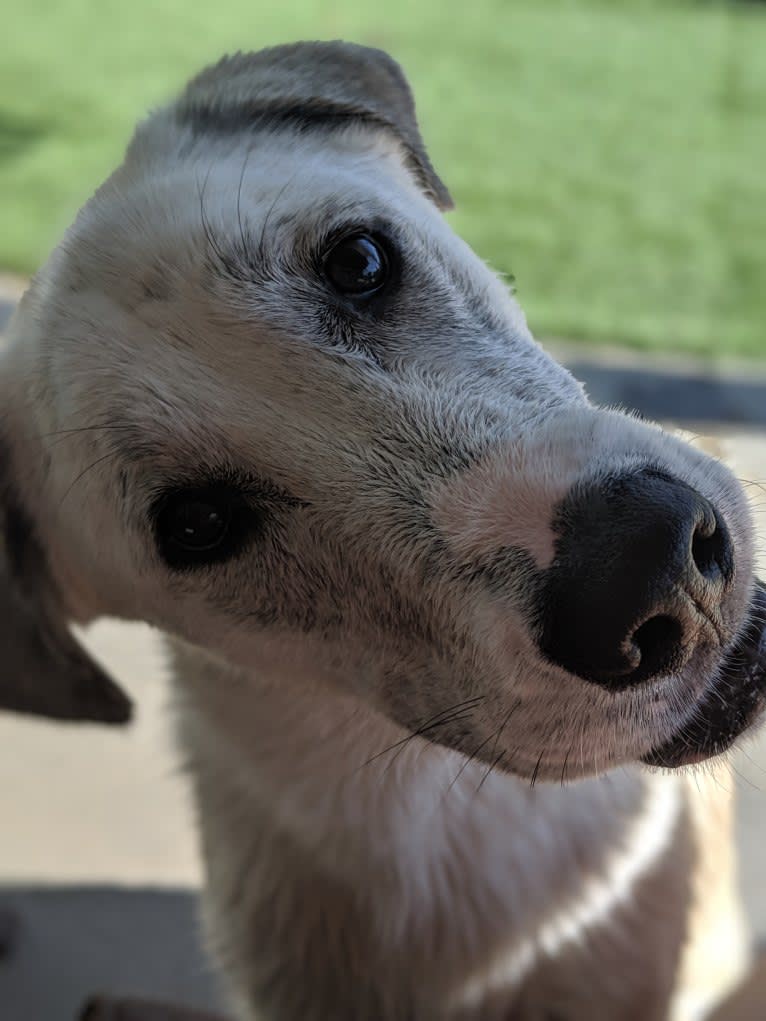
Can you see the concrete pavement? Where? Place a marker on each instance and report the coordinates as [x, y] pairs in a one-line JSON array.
[[78, 941]]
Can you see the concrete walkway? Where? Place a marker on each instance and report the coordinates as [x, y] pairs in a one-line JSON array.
[[98, 852], [11, 289]]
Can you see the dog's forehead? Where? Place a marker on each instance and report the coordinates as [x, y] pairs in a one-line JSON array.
[[141, 303], [158, 241], [131, 300], [229, 192]]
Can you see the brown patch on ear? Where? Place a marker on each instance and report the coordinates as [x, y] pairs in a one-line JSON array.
[[314, 85], [44, 671]]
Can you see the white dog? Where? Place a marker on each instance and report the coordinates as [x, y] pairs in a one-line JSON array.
[[429, 609]]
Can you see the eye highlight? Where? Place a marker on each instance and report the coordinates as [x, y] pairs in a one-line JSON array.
[[198, 526], [356, 266]]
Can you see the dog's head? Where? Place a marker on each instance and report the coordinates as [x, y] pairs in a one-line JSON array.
[[263, 397]]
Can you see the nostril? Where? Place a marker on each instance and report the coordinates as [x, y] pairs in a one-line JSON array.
[[711, 551], [642, 567], [659, 640]]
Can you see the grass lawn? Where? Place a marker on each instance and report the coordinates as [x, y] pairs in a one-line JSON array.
[[610, 155]]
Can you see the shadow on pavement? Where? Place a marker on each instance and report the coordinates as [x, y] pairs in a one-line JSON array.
[[6, 308], [668, 396], [73, 942]]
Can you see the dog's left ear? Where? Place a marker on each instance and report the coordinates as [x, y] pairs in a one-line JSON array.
[[312, 85], [43, 668]]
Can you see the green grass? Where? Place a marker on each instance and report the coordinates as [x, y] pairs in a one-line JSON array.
[[610, 155]]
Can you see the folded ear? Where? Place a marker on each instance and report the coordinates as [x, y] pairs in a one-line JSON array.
[[43, 669], [313, 85]]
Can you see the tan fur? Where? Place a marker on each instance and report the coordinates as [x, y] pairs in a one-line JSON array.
[[716, 919], [746, 1003]]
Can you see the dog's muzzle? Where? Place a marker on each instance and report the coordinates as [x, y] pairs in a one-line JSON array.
[[735, 701], [643, 563], [638, 585]]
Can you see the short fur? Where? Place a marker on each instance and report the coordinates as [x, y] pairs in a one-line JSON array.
[[406, 811]]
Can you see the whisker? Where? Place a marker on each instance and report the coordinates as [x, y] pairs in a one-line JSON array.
[[437, 720], [470, 759], [272, 207], [213, 242], [751, 760], [747, 780], [500, 754], [112, 427], [536, 770], [491, 766], [753, 482], [457, 717], [566, 763], [239, 201], [84, 472]]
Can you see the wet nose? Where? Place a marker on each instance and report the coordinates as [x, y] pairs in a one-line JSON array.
[[642, 563]]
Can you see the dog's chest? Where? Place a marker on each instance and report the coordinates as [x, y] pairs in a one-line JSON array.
[[461, 903]]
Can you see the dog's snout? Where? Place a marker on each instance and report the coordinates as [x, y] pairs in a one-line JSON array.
[[642, 564]]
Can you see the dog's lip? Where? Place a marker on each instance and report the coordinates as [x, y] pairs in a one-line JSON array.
[[731, 705]]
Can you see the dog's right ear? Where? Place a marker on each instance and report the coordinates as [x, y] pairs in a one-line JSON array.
[[43, 668], [312, 85]]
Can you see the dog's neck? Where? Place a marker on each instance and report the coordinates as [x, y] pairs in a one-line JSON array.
[[361, 797]]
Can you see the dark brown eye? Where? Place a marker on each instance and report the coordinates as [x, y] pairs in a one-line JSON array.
[[194, 527], [356, 266], [196, 524]]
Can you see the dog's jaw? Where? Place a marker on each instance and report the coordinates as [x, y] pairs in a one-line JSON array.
[[734, 701]]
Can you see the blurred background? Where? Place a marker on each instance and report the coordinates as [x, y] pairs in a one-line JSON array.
[[607, 157]]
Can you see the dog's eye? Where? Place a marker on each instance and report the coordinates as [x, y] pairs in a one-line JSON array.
[[196, 524], [199, 526], [356, 266]]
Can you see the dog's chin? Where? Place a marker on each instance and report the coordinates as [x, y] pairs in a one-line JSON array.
[[733, 703]]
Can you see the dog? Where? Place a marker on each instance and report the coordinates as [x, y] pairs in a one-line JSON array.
[[443, 633]]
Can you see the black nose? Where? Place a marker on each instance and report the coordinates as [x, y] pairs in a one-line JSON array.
[[641, 565]]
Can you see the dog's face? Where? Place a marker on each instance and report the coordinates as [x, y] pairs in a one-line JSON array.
[[265, 399]]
